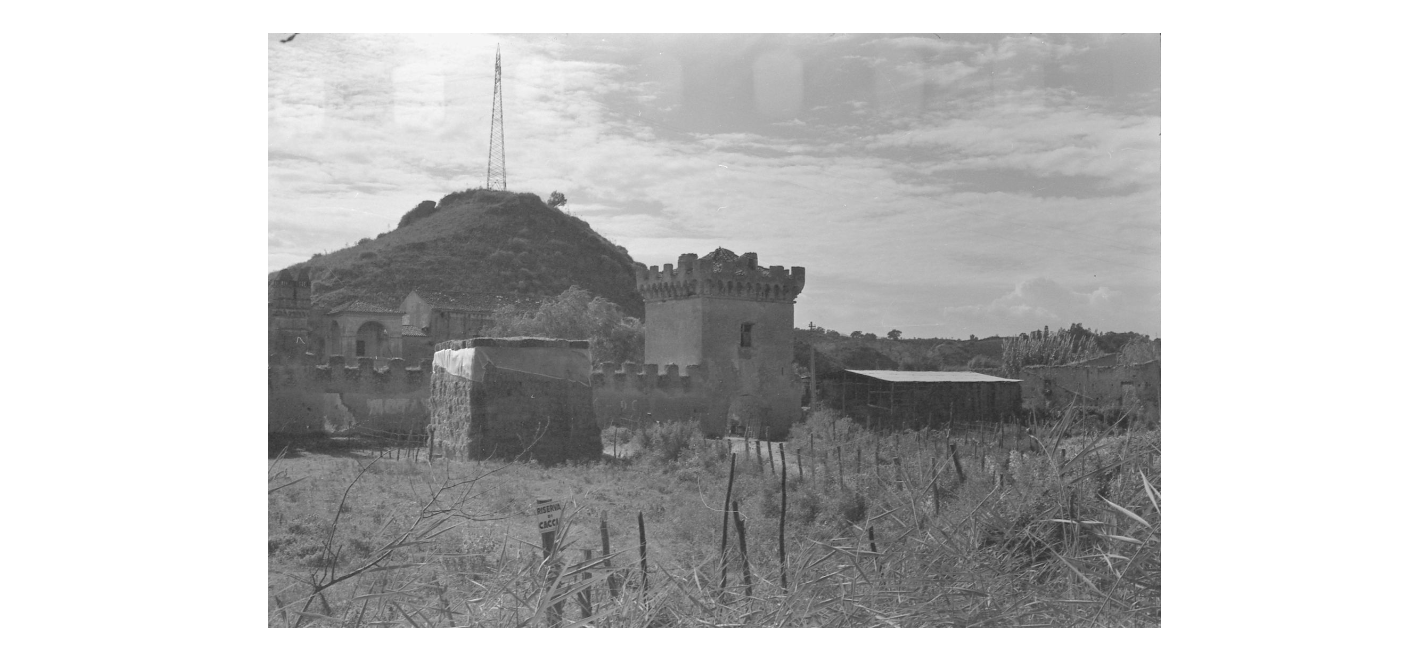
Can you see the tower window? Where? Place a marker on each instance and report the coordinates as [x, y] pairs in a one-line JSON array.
[[746, 335]]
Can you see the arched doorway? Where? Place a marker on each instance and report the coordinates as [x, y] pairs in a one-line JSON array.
[[371, 340]]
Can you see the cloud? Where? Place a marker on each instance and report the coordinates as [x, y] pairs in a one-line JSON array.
[[966, 189], [1040, 134]]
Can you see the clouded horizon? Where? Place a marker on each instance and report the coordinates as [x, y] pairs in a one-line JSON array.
[[943, 185]]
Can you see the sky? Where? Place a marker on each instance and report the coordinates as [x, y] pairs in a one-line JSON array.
[[942, 185]]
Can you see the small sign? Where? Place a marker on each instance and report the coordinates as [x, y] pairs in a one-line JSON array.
[[547, 516]]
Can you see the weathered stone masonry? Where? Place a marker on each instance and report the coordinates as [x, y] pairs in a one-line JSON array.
[[374, 395], [728, 322], [1133, 389], [514, 397]]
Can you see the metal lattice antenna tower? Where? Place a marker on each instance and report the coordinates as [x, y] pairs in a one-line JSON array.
[[496, 156]]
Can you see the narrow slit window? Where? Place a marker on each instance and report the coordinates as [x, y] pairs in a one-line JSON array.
[[746, 335]]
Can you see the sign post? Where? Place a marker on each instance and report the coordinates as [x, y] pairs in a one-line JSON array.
[[548, 523]]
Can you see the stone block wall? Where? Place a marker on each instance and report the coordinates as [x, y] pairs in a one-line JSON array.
[[633, 396], [514, 398], [383, 396], [1131, 389]]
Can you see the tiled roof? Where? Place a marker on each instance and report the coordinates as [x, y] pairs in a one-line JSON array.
[[930, 376], [412, 331], [363, 307], [468, 301]]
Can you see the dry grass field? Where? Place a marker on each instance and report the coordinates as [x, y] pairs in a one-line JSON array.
[[1056, 527]]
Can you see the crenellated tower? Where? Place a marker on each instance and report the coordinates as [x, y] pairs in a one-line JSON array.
[[289, 311], [735, 318]]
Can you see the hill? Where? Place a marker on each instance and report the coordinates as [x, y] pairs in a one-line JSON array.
[[478, 240]]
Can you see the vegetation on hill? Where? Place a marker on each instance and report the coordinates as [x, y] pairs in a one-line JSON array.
[[479, 240]]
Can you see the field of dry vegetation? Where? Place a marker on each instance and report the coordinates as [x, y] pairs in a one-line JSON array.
[[1058, 526]]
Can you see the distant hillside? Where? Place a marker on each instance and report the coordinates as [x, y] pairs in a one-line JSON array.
[[983, 354], [478, 240]]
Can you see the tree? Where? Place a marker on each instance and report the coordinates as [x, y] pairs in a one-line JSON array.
[[577, 314], [894, 334], [856, 334], [557, 200]]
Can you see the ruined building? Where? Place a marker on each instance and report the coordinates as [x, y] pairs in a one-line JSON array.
[[718, 340]]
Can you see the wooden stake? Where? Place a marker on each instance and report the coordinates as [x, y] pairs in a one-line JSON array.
[[759, 456], [724, 538], [872, 543], [897, 471], [613, 582], [584, 597], [957, 463], [744, 547], [798, 454], [644, 567], [782, 516]]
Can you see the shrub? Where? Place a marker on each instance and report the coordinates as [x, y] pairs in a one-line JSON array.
[[804, 506], [425, 208], [851, 507]]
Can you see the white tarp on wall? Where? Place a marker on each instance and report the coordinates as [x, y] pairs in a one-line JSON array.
[[470, 363]]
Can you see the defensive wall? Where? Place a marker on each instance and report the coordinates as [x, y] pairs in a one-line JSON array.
[[370, 395], [512, 398], [1133, 389], [633, 396]]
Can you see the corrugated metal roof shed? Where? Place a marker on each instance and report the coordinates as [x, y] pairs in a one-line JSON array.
[[930, 376]]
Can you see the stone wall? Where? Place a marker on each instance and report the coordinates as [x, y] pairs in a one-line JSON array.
[[632, 396], [371, 395], [513, 398], [1131, 389]]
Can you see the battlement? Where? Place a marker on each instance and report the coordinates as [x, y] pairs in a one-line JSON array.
[[647, 377], [290, 296], [511, 342], [337, 373], [719, 274]]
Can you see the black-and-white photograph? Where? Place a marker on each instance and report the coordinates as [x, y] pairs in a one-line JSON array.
[[714, 330]]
